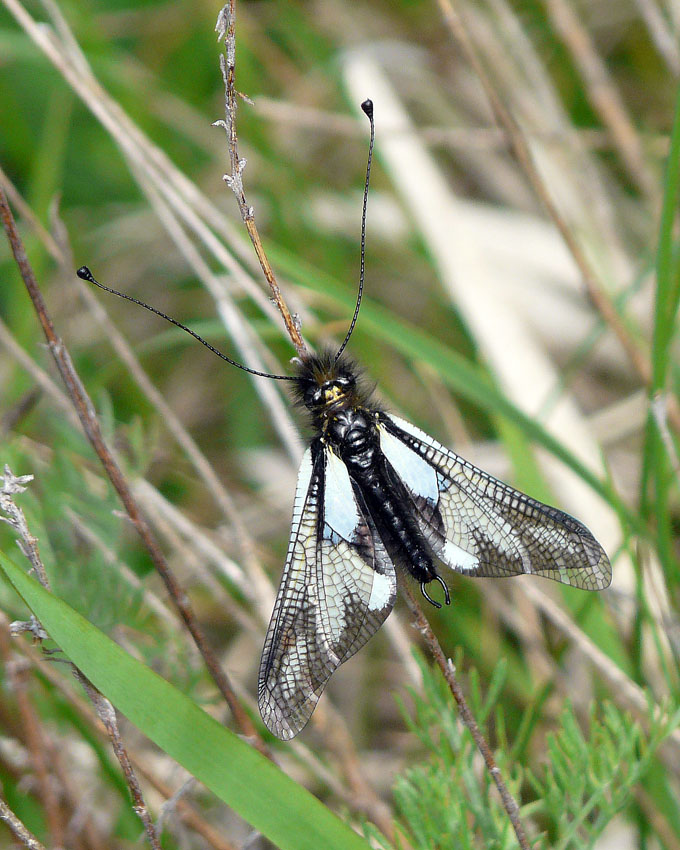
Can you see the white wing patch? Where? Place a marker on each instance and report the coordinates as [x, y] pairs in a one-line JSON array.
[[458, 559], [382, 592], [341, 511], [415, 472], [483, 527]]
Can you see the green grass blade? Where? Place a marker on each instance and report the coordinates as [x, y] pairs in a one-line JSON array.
[[236, 773], [656, 479], [667, 262]]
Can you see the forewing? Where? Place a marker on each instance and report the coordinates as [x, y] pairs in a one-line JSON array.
[[481, 527], [338, 586]]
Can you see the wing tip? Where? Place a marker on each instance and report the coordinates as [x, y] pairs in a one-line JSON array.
[[284, 727], [604, 572]]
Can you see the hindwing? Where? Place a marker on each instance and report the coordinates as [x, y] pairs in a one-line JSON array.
[[337, 588], [479, 526]]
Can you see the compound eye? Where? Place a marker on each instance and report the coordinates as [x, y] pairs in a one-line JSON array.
[[316, 398], [345, 381]]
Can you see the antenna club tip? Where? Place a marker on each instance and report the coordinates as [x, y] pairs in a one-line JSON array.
[[367, 107], [85, 274]]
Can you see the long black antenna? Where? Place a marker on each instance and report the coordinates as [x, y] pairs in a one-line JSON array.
[[367, 107], [85, 274]]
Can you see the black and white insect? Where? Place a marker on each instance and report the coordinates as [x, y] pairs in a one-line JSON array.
[[376, 494]]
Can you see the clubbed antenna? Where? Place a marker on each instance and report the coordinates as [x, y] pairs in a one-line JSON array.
[[367, 107], [85, 274]]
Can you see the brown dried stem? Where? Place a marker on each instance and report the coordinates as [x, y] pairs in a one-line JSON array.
[[20, 832], [225, 28], [107, 714], [28, 544], [34, 737], [447, 668], [90, 424], [186, 810]]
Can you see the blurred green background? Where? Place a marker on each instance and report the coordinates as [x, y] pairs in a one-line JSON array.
[[477, 326]]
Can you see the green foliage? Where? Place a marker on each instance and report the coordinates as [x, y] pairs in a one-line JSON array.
[[591, 776], [573, 771], [449, 800], [588, 776]]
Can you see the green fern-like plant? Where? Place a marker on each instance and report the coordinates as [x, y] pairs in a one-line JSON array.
[[590, 777], [590, 774]]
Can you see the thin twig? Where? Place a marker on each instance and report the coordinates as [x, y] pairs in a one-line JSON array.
[[22, 834], [34, 736], [225, 29], [107, 714], [522, 151], [447, 668], [140, 762], [13, 485], [88, 419]]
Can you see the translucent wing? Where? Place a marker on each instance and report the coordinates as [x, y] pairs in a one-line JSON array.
[[338, 586], [481, 527]]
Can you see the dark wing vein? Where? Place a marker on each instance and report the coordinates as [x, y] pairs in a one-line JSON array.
[[337, 588], [482, 527]]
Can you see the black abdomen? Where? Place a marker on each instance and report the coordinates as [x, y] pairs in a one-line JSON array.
[[395, 524], [355, 436]]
